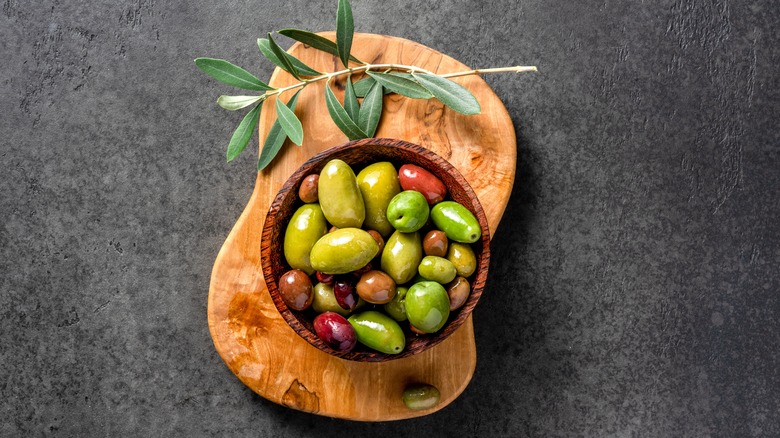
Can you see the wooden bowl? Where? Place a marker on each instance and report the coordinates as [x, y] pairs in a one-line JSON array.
[[359, 154]]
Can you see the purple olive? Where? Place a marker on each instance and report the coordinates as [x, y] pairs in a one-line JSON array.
[[325, 278], [335, 331], [345, 294]]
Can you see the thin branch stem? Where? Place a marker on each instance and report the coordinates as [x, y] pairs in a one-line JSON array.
[[399, 67]]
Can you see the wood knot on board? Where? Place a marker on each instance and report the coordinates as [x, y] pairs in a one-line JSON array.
[[298, 397]]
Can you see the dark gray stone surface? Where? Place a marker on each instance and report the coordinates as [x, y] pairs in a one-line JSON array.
[[636, 274]]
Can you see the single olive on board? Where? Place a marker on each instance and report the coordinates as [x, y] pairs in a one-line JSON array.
[[296, 289], [342, 251], [416, 178], [456, 221], [340, 196], [378, 331], [378, 184], [418, 397], [306, 227]]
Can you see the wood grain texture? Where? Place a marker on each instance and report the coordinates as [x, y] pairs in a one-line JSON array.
[[248, 331], [357, 154]]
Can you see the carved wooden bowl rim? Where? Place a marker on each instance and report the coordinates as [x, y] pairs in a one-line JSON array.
[[357, 154]]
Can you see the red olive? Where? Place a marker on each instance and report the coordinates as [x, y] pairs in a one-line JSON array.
[[325, 278], [296, 289], [309, 192], [335, 331], [345, 294], [416, 178]]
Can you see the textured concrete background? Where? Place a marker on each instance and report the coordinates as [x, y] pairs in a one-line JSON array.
[[635, 285]]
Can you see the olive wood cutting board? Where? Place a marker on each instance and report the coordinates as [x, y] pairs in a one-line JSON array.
[[249, 333]]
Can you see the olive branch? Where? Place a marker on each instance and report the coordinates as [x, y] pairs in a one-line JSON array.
[[355, 119]]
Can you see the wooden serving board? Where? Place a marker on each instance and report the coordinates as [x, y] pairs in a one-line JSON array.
[[248, 331]]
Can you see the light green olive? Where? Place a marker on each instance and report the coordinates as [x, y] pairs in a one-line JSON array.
[[437, 269], [456, 221], [419, 397], [342, 251], [340, 196], [401, 256], [378, 184], [397, 308], [462, 256], [378, 331], [427, 306], [306, 227]]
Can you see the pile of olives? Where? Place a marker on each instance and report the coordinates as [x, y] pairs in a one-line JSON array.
[[371, 252]]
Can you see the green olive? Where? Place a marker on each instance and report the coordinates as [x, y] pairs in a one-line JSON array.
[[427, 306], [325, 300], [342, 251], [378, 184], [462, 256], [340, 196], [306, 227], [401, 256], [419, 397], [456, 221], [378, 331], [397, 308], [437, 269]]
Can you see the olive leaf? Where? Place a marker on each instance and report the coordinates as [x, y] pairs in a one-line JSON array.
[[371, 111], [283, 57], [243, 133], [289, 122], [340, 116], [315, 41], [345, 29], [275, 138], [351, 104], [303, 70], [232, 103], [450, 93], [401, 85], [363, 86], [231, 74]]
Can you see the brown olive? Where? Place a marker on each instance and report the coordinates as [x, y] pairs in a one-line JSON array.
[[435, 243], [379, 240], [416, 331], [296, 289], [376, 287], [333, 228], [458, 291], [309, 192]]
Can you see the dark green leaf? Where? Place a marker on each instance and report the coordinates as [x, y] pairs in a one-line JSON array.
[[303, 70], [283, 57], [371, 111], [243, 133], [403, 86], [315, 41], [275, 139], [232, 103], [351, 104], [363, 86], [340, 116], [231, 74], [290, 123], [345, 29], [450, 93]]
